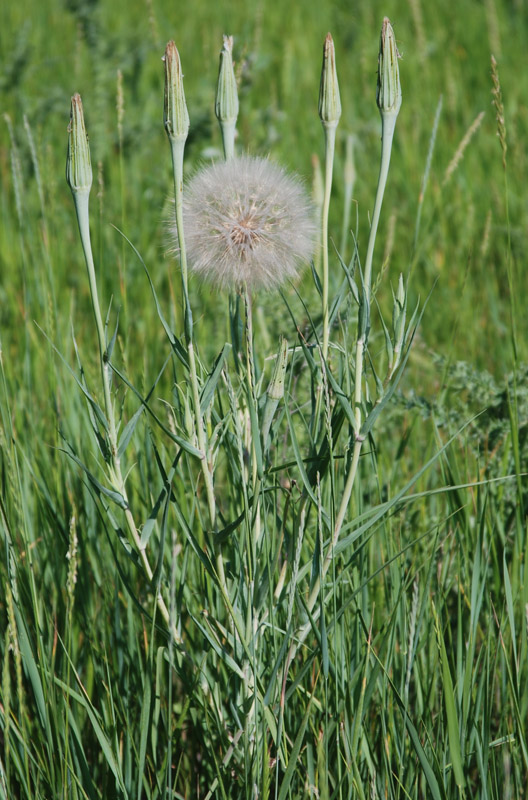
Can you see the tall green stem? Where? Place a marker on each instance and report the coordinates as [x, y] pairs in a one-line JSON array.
[[388, 123], [177, 149], [81, 200], [330, 137]]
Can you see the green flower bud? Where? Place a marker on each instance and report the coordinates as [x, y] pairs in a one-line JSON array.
[[329, 100], [226, 103], [175, 114], [389, 96], [78, 164]]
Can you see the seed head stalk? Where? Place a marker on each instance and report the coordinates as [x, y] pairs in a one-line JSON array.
[[176, 120], [79, 178]]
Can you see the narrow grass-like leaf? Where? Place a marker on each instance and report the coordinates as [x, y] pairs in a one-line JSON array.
[[33, 672], [294, 753], [175, 342], [450, 707], [189, 448], [144, 730], [212, 380], [103, 740], [117, 497]]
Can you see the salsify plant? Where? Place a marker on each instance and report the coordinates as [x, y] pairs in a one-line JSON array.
[[245, 225], [244, 546]]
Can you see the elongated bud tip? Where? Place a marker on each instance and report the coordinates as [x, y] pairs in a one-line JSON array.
[[329, 99], [78, 164], [389, 96], [175, 114], [226, 102]]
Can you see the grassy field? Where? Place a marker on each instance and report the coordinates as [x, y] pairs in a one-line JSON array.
[[239, 561]]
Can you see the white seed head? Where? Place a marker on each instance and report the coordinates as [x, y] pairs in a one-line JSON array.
[[247, 221]]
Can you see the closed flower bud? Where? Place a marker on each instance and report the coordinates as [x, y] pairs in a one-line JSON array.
[[389, 96], [175, 114], [329, 100], [226, 103], [78, 164]]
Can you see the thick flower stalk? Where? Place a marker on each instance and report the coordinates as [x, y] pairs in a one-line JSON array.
[[247, 223]]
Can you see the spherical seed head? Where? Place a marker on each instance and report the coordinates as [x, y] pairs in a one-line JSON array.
[[389, 96], [175, 114], [78, 163], [247, 221], [329, 99]]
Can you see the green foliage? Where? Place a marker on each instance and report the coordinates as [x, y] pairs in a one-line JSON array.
[[347, 617]]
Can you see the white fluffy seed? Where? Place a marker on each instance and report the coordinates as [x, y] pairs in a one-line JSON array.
[[246, 221]]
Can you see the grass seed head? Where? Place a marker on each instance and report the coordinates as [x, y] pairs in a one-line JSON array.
[[78, 163], [247, 222]]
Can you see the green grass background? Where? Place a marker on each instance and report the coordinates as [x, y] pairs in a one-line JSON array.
[[89, 706]]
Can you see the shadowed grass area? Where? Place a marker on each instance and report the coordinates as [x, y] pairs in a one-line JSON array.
[[157, 644]]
